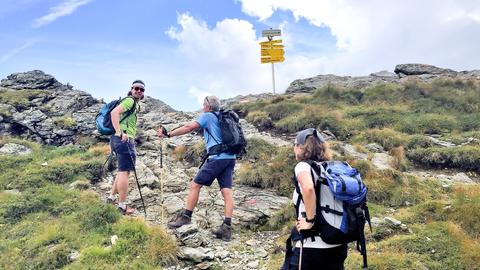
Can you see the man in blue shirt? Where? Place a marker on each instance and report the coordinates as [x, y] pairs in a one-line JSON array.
[[219, 166]]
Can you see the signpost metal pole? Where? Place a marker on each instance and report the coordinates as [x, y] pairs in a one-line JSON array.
[[273, 77], [273, 67]]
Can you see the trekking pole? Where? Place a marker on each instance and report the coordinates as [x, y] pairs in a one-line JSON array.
[[301, 252], [136, 179], [162, 173], [304, 215]]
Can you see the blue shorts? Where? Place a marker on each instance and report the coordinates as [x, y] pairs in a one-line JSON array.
[[222, 169], [125, 152]]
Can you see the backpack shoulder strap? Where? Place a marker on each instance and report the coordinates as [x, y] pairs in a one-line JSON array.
[[130, 111], [297, 187], [206, 129]]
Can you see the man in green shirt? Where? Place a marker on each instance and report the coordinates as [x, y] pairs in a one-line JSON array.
[[123, 144]]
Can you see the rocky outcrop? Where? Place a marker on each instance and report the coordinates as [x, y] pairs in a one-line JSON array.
[[49, 112], [403, 73], [419, 69], [14, 149], [35, 79]]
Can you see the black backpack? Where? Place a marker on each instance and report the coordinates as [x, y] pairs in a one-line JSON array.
[[233, 140], [342, 213]]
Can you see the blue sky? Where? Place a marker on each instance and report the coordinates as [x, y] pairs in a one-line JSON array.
[[185, 50]]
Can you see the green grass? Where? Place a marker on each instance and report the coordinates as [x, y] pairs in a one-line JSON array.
[[21, 99], [45, 221], [65, 121], [391, 115], [267, 166], [465, 157]]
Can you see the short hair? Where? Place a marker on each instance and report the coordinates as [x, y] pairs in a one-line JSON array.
[[136, 82], [315, 149], [213, 102]]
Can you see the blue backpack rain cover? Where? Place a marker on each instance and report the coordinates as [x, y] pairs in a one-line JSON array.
[[103, 120]]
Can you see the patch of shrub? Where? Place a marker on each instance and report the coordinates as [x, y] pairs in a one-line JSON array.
[[179, 152], [332, 94], [46, 199], [272, 173], [392, 188], [98, 216], [195, 153], [466, 209], [468, 122], [426, 124], [281, 110], [464, 157], [425, 212], [419, 141], [297, 122], [65, 121], [259, 149], [139, 239], [400, 162], [21, 99], [387, 138], [260, 119], [442, 251], [283, 217], [469, 246]]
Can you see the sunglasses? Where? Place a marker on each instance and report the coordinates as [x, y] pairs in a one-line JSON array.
[[136, 88]]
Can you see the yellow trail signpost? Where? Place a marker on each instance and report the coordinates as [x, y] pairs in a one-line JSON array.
[[272, 51]]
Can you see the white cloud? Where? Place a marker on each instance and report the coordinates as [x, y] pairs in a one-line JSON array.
[[63, 9], [223, 60], [376, 34], [15, 51]]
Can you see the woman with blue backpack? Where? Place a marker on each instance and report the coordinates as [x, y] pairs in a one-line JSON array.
[[305, 248]]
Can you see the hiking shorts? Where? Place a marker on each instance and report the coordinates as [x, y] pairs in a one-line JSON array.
[[312, 258], [222, 169], [125, 152]]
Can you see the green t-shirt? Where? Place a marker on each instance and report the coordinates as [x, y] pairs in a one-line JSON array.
[[129, 125]]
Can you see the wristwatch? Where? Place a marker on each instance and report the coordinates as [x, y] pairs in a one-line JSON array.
[[310, 220], [168, 134]]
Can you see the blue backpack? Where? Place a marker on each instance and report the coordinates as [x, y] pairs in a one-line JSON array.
[[341, 204], [103, 120]]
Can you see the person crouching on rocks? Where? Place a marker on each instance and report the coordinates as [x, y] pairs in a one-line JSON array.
[[123, 144], [310, 145], [218, 166]]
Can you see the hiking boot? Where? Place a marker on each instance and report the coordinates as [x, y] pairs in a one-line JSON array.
[[126, 211], [224, 232], [179, 221]]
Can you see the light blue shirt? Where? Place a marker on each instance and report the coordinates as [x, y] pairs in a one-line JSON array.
[[209, 121]]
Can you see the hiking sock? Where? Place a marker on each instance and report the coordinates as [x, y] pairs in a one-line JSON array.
[[188, 213], [228, 221], [122, 205], [112, 197]]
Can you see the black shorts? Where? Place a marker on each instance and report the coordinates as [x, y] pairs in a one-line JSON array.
[[222, 169], [319, 258], [125, 152]]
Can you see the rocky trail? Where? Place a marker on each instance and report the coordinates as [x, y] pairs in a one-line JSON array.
[[165, 189]]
